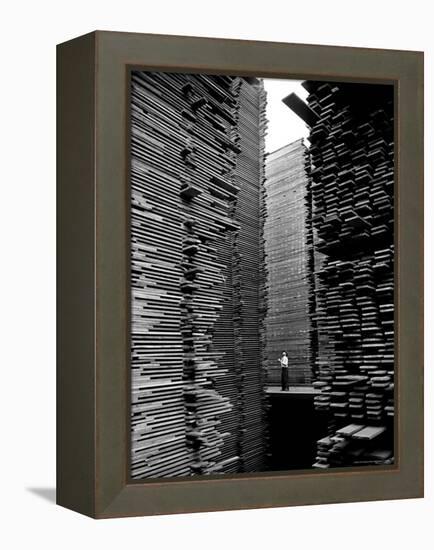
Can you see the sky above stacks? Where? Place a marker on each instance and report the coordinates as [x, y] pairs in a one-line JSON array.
[[283, 125]]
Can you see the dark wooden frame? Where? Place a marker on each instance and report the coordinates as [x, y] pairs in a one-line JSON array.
[[93, 274]]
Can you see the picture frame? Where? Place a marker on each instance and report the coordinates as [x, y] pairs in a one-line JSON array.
[[93, 384]]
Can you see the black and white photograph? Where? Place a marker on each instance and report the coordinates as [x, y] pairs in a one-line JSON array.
[[216, 237], [262, 274]]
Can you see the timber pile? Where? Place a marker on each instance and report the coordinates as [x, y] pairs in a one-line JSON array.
[[289, 251], [249, 274], [194, 201], [353, 174], [157, 399], [355, 445]]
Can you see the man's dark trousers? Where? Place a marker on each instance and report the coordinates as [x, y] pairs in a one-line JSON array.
[[285, 379]]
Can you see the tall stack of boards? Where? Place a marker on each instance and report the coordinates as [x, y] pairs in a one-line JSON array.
[[289, 253], [198, 295], [352, 156]]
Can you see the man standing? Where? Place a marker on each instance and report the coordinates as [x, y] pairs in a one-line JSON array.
[[285, 374]]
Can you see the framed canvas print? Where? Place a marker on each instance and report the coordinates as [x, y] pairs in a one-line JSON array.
[[240, 237]]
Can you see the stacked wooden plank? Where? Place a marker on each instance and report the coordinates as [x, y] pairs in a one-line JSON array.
[[207, 216], [355, 445], [191, 404], [158, 423], [353, 174], [249, 273], [288, 245]]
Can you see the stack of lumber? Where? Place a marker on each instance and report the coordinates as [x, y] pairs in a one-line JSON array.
[[289, 252], [354, 445], [197, 390], [352, 158], [157, 395], [207, 216], [249, 274]]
